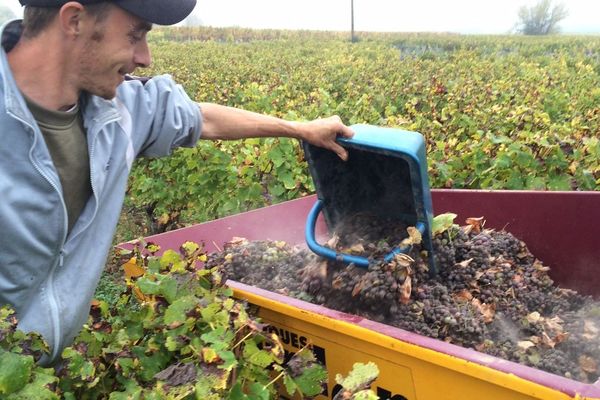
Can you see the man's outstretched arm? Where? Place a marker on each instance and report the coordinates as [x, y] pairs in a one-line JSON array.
[[222, 122]]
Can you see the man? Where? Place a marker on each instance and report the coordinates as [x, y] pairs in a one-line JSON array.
[[71, 127]]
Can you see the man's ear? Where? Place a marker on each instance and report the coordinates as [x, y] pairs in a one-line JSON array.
[[70, 19]]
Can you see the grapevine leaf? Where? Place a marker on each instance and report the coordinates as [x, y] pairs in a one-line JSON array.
[[256, 356], [176, 312], [442, 223], [132, 269], [38, 388], [161, 285], [237, 393], [360, 377], [209, 355], [205, 388], [310, 381], [290, 385], [365, 395], [229, 360], [152, 364], [132, 392], [172, 261], [258, 392], [15, 371]]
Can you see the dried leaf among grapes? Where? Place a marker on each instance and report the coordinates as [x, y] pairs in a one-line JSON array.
[[588, 364], [357, 248], [358, 288], [475, 223], [236, 240], [590, 330], [547, 341], [487, 310], [414, 237], [538, 266], [534, 317], [405, 291], [464, 263], [525, 344], [554, 325], [333, 241], [463, 295]]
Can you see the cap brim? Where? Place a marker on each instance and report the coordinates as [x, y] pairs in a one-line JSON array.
[[161, 12]]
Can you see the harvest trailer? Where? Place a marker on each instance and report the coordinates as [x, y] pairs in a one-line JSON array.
[[562, 229]]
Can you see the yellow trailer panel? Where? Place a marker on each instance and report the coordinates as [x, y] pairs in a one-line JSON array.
[[411, 366]]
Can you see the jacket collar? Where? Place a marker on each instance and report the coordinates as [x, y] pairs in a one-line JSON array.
[[13, 101]]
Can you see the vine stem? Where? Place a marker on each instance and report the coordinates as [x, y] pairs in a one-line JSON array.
[[242, 340], [275, 379]]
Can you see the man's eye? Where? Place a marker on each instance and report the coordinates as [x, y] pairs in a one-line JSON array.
[[133, 38]]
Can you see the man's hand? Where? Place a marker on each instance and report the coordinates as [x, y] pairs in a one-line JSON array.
[[323, 133]]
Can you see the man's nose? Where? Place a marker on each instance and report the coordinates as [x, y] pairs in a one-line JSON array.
[[142, 57]]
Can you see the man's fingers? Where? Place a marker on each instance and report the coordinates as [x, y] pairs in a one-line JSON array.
[[340, 151], [346, 132]]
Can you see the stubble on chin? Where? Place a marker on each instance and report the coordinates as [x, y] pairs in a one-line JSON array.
[[94, 75]]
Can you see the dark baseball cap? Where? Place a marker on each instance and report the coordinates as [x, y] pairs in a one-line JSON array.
[[161, 12]]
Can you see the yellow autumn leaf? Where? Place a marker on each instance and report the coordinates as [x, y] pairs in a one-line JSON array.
[[140, 295], [163, 219], [209, 355], [132, 270]]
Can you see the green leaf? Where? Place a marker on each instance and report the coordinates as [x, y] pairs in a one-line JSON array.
[[172, 261], [176, 312], [151, 364], [287, 179], [256, 356], [290, 385], [204, 389], [277, 157], [15, 371], [442, 223], [220, 338], [78, 365], [229, 360], [258, 392], [38, 388], [309, 381], [132, 392], [365, 395], [237, 393], [559, 182], [361, 376]]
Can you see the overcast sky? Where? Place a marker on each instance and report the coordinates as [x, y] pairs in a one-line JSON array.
[[463, 16]]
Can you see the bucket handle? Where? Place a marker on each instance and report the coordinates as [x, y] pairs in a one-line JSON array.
[[363, 262]]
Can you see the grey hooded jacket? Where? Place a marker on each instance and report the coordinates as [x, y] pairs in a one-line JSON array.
[[47, 277]]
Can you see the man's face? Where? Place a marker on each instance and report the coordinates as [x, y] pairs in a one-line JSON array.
[[114, 47]]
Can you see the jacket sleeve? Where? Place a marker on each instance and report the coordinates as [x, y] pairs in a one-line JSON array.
[[163, 116]]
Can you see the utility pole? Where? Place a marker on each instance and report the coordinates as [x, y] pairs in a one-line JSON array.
[[353, 38]]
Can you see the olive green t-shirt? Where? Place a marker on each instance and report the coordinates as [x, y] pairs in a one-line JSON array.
[[66, 140]]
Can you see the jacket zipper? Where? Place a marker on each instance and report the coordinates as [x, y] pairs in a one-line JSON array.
[[91, 157], [52, 301]]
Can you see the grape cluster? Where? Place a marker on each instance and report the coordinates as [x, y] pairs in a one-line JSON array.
[[487, 288]]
